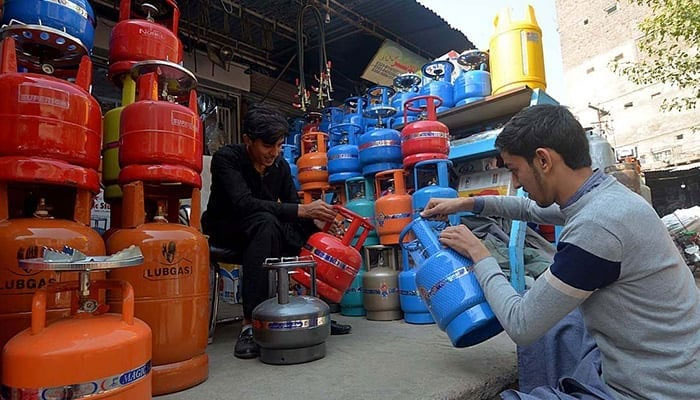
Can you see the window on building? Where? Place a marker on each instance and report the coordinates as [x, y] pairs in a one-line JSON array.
[[629, 104], [585, 21], [679, 137], [589, 70], [663, 156], [655, 94], [611, 8], [618, 57]]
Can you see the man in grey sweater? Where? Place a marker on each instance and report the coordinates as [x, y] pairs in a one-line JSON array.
[[615, 260]]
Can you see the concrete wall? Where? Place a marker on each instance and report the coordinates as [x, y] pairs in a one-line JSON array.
[[592, 38]]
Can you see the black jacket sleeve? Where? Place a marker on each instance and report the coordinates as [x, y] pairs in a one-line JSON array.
[[226, 176]]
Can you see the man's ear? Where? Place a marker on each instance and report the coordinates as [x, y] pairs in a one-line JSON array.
[[543, 159], [246, 140]]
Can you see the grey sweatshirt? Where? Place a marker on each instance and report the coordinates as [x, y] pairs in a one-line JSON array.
[[616, 260]]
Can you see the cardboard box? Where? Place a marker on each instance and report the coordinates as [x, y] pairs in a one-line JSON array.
[[493, 182]]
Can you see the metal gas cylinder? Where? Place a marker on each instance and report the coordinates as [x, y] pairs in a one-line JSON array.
[[57, 119], [439, 75], [425, 139], [25, 236], [338, 261], [354, 112], [110, 148], [351, 304], [344, 158], [313, 121], [474, 81], [448, 286], [602, 154], [392, 209], [89, 354], [415, 311], [407, 87], [359, 193], [52, 36], [157, 132], [380, 284], [173, 281], [380, 148], [313, 163], [295, 128], [515, 52], [145, 31], [378, 110], [288, 154], [431, 183], [329, 117], [291, 329]]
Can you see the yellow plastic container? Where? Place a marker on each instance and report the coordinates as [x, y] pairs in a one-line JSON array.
[[110, 147], [516, 57]]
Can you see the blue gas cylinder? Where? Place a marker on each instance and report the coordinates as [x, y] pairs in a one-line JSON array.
[[354, 111], [414, 309], [380, 147], [447, 284], [288, 154], [408, 87], [359, 193], [344, 158], [74, 17], [439, 75], [474, 81], [431, 179], [351, 304], [329, 117]]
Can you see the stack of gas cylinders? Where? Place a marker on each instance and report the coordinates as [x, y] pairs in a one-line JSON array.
[[151, 162]]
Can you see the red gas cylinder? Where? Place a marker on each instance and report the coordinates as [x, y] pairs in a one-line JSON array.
[[392, 209], [313, 163], [424, 139], [48, 117], [89, 355], [146, 34], [155, 132], [337, 261], [172, 286]]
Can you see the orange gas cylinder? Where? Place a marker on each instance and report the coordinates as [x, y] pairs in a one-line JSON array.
[[393, 205], [313, 121], [313, 163], [148, 33], [154, 132], [172, 286], [89, 355], [48, 117]]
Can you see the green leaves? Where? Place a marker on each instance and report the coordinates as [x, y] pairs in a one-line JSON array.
[[669, 51]]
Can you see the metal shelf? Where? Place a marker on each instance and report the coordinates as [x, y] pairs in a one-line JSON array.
[[493, 109]]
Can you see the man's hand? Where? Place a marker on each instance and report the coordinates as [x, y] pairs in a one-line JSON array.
[[441, 208], [463, 241], [336, 229], [318, 209]]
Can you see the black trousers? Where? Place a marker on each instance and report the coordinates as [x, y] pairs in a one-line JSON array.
[[259, 236]]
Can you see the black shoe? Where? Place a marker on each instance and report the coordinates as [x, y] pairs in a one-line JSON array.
[[245, 347], [339, 329]]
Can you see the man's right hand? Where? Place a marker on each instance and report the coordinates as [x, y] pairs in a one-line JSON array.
[[441, 208], [318, 209]]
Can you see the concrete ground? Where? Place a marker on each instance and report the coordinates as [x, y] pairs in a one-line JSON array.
[[387, 360]]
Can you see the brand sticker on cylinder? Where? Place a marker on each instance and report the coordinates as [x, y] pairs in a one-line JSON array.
[[182, 120], [451, 277], [31, 94], [71, 6], [291, 324]]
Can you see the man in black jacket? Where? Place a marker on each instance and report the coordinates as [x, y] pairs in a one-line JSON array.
[[254, 208]]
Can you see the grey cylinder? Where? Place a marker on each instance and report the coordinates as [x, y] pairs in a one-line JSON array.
[[602, 154], [380, 284]]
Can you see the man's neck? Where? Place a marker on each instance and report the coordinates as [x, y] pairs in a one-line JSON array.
[[571, 182], [258, 167]]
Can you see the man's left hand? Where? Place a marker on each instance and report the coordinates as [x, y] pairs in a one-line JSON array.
[[336, 228], [463, 241]]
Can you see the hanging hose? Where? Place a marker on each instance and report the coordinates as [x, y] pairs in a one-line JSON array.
[[322, 57]]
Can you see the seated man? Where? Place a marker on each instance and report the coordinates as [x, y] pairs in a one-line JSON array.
[[615, 262], [254, 208]]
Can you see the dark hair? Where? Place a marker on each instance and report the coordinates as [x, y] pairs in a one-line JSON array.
[[547, 126], [265, 123]]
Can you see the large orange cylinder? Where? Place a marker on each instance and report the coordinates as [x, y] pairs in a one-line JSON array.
[[100, 356], [25, 236], [393, 210], [171, 286]]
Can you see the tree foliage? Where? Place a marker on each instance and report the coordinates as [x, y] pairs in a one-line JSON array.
[[669, 50]]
